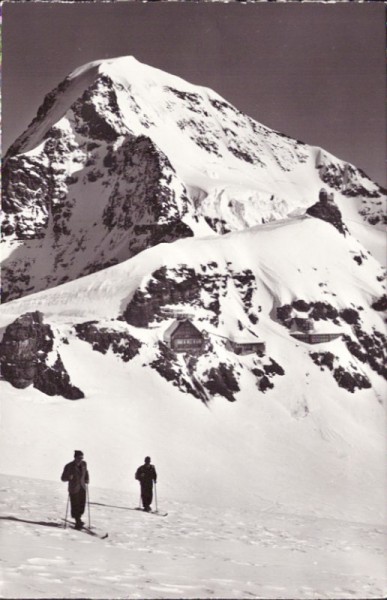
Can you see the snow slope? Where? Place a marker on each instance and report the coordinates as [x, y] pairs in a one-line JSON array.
[[195, 552], [284, 255]]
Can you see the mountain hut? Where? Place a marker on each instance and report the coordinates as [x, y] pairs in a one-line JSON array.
[[316, 338], [175, 312], [248, 343], [304, 329], [183, 336]]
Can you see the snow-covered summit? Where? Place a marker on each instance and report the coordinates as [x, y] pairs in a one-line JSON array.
[[124, 71], [122, 156]]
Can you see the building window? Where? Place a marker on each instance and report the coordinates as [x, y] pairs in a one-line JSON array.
[[188, 342]]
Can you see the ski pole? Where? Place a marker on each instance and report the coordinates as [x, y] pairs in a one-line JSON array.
[[88, 503], [67, 509], [156, 497]]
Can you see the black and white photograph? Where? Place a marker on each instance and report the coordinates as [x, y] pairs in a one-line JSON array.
[[193, 304]]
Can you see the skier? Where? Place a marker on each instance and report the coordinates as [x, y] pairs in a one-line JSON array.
[[146, 475], [77, 475]]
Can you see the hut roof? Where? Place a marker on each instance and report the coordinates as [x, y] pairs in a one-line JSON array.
[[317, 327], [245, 337], [322, 326], [173, 327]]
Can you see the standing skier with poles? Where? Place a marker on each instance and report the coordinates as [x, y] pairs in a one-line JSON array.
[[146, 475], [77, 475]]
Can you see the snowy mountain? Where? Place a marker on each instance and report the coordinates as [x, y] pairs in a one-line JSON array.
[[136, 200], [122, 157]]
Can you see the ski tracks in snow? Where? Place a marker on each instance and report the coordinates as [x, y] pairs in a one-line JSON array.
[[195, 552]]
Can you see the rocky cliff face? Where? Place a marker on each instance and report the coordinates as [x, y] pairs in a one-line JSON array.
[[27, 193], [187, 287], [28, 357], [143, 205], [200, 294], [352, 183], [103, 339]]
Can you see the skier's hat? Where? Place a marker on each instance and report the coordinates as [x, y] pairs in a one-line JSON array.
[[78, 453]]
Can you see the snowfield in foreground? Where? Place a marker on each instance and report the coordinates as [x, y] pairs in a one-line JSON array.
[[195, 552]]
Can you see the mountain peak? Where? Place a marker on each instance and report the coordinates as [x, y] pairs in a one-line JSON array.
[[123, 61], [128, 77], [152, 158], [122, 67]]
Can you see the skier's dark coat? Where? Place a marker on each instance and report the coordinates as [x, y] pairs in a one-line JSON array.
[[78, 477], [146, 475]]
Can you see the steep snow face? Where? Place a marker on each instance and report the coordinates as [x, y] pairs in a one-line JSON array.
[[122, 156]]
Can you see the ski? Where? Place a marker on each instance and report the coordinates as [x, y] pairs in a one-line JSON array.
[[88, 530], [153, 512], [91, 531]]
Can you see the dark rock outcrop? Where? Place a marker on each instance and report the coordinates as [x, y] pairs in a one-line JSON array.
[[141, 192], [221, 380], [24, 351], [167, 365], [380, 304], [314, 310], [347, 179], [349, 378], [161, 290], [91, 120], [265, 372], [199, 288], [326, 210], [102, 339], [374, 347], [27, 190]]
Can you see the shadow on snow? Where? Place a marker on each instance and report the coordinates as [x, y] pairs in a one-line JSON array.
[[112, 506], [45, 523]]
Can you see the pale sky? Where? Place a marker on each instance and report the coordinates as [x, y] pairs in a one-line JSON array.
[[313, 71]]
